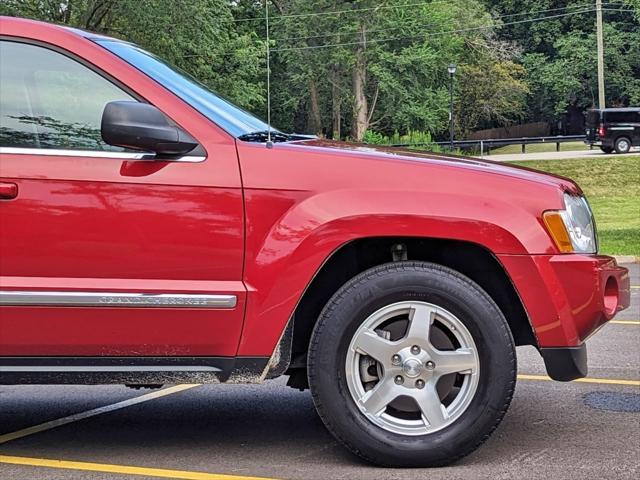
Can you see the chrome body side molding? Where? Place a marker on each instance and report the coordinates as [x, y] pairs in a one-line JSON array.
[[113, 299]]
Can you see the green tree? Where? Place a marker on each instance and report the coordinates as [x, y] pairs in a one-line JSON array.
[[379, 64], [559, 54], [198, 36], [383, 66], [569, 78], [493, 94]]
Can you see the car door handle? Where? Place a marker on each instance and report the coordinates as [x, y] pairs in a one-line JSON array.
[[8, 190]]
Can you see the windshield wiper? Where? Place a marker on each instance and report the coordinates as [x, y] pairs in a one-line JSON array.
[[263, 136], [276, 136]]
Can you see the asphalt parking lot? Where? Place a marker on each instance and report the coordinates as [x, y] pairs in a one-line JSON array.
[[227, 432]]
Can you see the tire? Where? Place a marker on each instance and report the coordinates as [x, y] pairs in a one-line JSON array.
[[606, 149], [622, 145], [400, 435]]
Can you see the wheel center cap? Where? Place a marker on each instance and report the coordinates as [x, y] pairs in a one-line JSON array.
[[412, 367]]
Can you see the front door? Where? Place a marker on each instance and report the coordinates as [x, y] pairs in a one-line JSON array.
[[103, 253]]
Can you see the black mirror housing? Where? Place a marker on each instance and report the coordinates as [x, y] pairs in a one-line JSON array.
[[141, 126]]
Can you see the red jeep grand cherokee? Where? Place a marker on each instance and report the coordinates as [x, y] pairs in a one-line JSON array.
[[150, 234]]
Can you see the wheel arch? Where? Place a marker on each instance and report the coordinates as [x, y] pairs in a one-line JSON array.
[[356, 256]]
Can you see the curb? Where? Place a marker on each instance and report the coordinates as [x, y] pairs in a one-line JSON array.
[[626, 259]]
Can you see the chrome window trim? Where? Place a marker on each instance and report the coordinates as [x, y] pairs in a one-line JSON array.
[[143, 156], [115, 299]]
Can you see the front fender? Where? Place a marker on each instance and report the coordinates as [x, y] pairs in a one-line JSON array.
[[290, 234]]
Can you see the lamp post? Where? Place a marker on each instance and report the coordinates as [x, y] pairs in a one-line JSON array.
[[452, 71]]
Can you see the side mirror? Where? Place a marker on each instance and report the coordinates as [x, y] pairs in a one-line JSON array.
[[141, 126]]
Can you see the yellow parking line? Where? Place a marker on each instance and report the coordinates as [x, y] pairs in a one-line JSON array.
[[7, 437], [635, 286], [602, 381], [625, 322], [121, 469]]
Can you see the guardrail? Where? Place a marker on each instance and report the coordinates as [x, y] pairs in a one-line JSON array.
[[487, 145]]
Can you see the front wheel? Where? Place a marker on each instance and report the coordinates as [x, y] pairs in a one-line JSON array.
[[411, 364]]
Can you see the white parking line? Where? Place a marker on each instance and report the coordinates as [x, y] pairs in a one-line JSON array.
[[7, 437]]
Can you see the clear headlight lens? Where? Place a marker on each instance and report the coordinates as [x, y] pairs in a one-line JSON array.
[[573, 228]]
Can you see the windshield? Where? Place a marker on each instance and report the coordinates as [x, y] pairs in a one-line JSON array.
[[232, 119]]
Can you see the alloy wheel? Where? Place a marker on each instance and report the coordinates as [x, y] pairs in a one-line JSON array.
[[412, 368]]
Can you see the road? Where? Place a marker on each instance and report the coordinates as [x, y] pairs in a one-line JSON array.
[[513, 157], [553, 430]]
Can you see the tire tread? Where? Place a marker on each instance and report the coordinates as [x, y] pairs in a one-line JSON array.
[[379, 271]]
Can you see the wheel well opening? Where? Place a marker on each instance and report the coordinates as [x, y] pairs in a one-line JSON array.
[[355, 257]]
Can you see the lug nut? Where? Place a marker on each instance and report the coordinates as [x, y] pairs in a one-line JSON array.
[[415, 349], [420, 383], [399, 380], [431, 365], [396, 359]]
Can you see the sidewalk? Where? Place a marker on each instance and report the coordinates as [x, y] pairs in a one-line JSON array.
[[620, 259], [554, 155]]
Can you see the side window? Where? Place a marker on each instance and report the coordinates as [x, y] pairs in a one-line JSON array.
[[50, 101], [619, 117]]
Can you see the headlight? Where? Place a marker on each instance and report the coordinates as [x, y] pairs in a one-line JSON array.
[[573, 229]]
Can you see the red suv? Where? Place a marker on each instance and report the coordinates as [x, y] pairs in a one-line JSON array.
[[150, 233]]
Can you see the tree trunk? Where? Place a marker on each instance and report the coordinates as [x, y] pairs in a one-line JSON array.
[[360, 121], [336, 99], [95, 14], [316, 119]]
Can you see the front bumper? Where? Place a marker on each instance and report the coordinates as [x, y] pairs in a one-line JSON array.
[[567, 298]]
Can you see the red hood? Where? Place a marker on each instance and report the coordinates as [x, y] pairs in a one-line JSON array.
[[404, 154]]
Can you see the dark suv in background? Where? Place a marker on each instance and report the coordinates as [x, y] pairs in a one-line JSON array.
[[613, 129]]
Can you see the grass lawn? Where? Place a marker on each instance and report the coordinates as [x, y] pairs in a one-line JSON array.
[[612, 185], [540, 147]]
